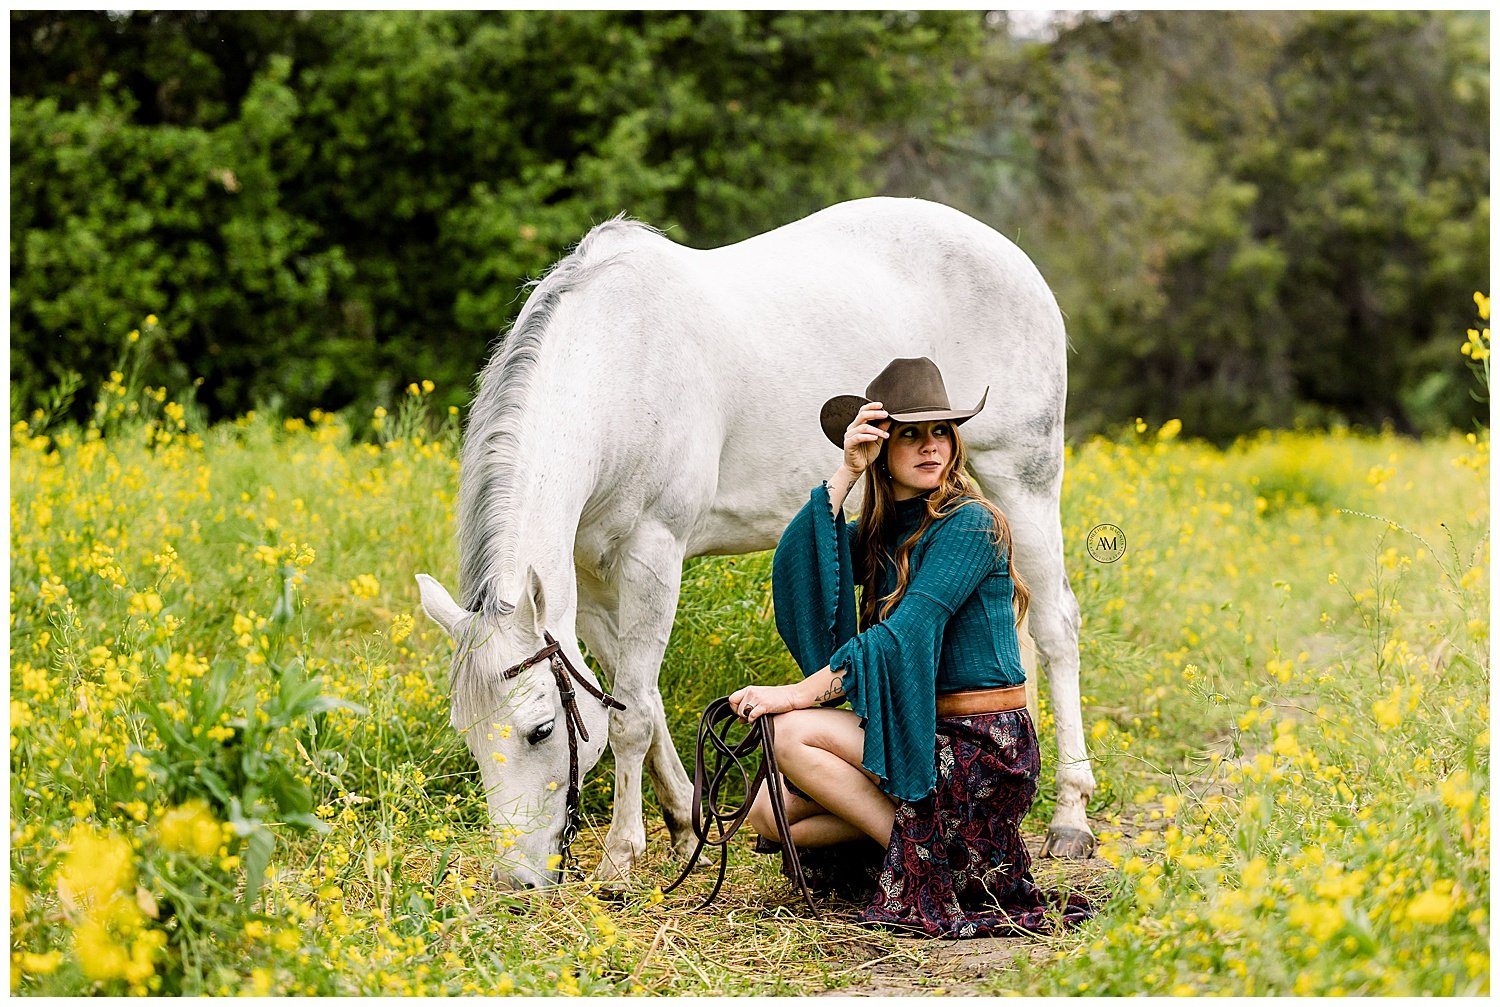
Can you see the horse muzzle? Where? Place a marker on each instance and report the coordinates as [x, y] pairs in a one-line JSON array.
[[514, 877]]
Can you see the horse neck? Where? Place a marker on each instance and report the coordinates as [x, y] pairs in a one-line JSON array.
[[551, 465], [543, 528]]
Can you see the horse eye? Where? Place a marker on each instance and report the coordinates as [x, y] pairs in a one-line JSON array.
[[539, 734]]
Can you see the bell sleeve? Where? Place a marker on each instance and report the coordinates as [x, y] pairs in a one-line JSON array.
[[812, 583], [891, 668]]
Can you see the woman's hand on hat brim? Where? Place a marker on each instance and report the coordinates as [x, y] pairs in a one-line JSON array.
[[870, 426]]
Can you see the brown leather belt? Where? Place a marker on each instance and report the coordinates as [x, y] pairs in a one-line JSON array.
[[1002, 699]]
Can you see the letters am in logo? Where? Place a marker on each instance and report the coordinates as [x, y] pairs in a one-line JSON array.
[[1106, 543]]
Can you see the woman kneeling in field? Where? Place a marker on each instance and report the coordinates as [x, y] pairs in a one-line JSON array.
[[914, 796]]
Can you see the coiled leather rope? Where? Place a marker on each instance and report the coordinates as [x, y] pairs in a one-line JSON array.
[[708, 810]]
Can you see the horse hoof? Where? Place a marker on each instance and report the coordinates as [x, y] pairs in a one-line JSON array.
[[612, 891], [1066, 843], [612, 879]]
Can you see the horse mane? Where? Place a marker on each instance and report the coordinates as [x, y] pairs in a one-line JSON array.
[[488, 486]]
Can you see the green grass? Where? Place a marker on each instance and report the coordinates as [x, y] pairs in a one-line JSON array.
[[1293, 766]]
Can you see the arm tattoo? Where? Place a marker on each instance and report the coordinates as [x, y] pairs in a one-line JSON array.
[[834, 691]]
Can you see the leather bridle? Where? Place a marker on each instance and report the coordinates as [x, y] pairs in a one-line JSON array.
[[563, 671]]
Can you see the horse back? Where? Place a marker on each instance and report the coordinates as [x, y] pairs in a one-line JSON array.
[[724, 356]]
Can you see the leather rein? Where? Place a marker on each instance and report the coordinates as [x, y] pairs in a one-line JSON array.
[[707, 793], [565, 674]]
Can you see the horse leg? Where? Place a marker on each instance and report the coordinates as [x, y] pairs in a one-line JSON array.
[[1029, 665], [650, 576], [598, 625], [1036, 530], [674, 791]]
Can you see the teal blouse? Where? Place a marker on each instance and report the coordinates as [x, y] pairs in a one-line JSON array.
[[954, 628]]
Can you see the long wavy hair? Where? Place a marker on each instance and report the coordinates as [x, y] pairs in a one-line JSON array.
[[954, 491]]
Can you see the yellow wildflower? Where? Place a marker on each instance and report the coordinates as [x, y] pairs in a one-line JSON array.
[[1286, 740], [1388, 711], [39, 964], [365, 586], [1456, 793], [145, 603], [191, 828], [97, 865], [260, 981], [1433, 907], [100, 955], [52, 591], [1320, 919]]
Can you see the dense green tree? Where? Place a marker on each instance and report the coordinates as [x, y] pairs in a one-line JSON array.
[[111, 220], [324, 206], [1249, 219]]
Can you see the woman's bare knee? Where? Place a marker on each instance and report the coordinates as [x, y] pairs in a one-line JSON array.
[[835, 731], [794, 729]]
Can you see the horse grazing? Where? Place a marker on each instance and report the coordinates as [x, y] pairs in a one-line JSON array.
[[654, 402]]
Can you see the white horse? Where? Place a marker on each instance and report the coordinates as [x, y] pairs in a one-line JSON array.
[[654, 402]]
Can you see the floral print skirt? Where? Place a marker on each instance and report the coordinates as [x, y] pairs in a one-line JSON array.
[[956, 866]]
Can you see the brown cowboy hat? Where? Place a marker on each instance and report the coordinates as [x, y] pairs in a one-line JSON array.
[[911, 390]]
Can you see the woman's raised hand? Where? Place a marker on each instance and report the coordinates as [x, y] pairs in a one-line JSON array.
[[862, 439]]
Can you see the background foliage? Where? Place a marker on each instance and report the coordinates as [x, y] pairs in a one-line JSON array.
[[1255, 219], [1249, 218], [326, 205]]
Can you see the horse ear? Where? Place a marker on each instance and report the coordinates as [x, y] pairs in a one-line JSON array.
[[534, 593], [439, 604]]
